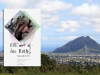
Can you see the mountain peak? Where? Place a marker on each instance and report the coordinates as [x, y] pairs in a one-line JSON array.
[[84, 37], [79, 44], [87, 36]]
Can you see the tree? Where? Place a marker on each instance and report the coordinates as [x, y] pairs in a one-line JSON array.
[[47, 63]]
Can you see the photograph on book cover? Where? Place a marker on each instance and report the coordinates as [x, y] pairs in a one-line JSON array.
[[22, 37]]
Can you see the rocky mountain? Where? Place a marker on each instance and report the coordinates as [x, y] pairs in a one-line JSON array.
[[80, 45]]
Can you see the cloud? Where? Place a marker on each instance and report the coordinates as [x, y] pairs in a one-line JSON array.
[[86, 10], [52, 18], [97, 29], [85, 22], [94, 23], [63, 38], [68, 38], [89, 16], [52, 5], [14, 3], [73, 30], [50, 10], [45, 15], [68, 25]]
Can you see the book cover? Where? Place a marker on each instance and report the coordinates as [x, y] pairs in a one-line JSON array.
[[22, 37]]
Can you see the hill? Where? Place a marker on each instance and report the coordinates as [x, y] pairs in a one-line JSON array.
[[80, 45]]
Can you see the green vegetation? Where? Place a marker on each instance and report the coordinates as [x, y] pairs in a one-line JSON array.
[[49, 67]]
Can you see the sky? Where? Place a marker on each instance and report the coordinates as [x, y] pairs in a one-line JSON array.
[[61, 20]]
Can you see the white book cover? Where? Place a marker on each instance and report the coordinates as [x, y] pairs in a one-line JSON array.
[[22, 37]]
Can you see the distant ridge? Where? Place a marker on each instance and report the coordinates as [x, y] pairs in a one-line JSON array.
[[80, 45]]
